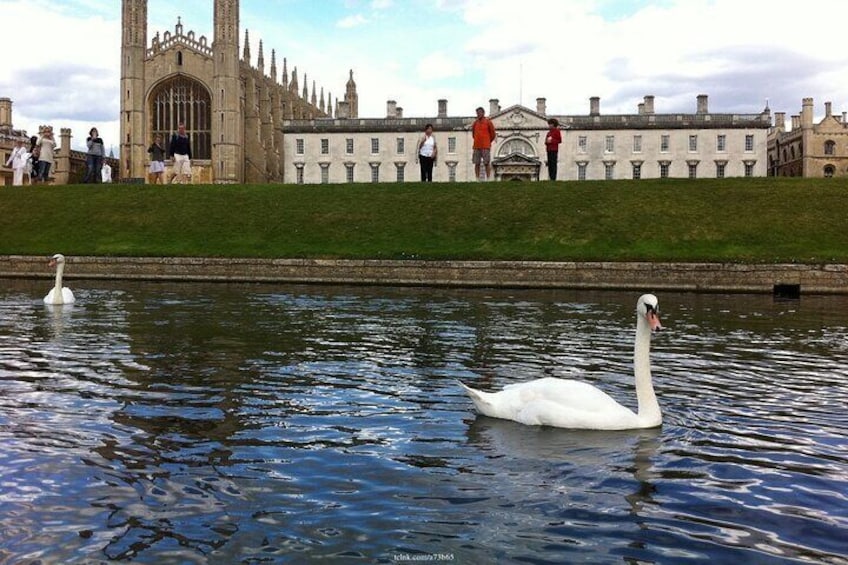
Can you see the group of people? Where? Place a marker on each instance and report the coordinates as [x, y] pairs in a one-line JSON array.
[[179, 150], [32, 160], [483, 135]]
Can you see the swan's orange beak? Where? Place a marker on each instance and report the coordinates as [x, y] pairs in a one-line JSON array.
[[653, 321]]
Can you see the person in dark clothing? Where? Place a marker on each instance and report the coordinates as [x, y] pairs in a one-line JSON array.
[[180, 151], [94, 157]]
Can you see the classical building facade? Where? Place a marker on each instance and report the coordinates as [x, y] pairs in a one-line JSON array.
[[232, 108], [644, 144], [809, 149]]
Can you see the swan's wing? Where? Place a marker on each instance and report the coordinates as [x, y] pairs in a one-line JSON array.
[[564, 404], [49, 298], [67, 295]]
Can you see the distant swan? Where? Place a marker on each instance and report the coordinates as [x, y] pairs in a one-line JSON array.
[[578, 405], [59, 294]]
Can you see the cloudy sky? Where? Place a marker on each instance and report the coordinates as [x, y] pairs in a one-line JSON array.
[[64, 66]]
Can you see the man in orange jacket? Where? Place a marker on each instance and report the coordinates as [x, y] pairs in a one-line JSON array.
[[483, 134]]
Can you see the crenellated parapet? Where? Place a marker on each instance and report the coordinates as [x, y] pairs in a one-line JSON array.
[[180, 38]]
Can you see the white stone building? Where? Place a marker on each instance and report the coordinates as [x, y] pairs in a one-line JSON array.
[[594, 146]]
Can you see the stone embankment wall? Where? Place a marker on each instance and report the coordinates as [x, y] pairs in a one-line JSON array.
[[702, 277]]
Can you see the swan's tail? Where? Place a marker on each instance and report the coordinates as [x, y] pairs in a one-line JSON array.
[[478, 397]]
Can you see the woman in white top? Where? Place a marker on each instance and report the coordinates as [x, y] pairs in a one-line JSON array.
[[427, 153], [46, 155], [18, 161]]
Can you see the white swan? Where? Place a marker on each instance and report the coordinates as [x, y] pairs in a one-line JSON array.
[[59, 294], [578, 405]]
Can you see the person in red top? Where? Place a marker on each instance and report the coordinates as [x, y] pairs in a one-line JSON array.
[[552, 141], [483, 133]]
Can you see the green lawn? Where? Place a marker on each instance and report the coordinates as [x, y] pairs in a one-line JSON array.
[[751, 220]]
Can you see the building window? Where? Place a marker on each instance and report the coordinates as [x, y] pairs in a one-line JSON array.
[[749, 168], [693, 143], [637, 143], [637, 171], [720, 166], [581, 170], [451, 145], [609, 170], [665, 141], [325, 147], [375, 172], [401, 147], [749, 142], [452, 172], [325, 173], [182, 99], [609, 144], [299, 174], [375, 145], [829, 171], [349, 172], [582, 144], [693, 170], [829, 148], [516, 145], [299, 146], [665, 166], [400, 169], [349, 146], [721, 142]]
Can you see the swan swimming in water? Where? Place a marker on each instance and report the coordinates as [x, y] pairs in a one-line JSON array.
[[574, 404], [59, 294]]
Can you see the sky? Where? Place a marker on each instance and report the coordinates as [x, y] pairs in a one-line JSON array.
[[64, 68]]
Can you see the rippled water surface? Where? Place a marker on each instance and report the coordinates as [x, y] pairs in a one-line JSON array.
[[159, 423]]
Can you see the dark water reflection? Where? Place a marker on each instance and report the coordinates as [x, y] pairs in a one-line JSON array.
[[159, 423]]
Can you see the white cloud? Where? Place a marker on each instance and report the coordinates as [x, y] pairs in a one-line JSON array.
[[381, 4], [438, 66], [352, 21]]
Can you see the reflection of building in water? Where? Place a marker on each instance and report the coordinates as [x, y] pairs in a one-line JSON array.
[[232, 109], [594, 145], [809, 149]]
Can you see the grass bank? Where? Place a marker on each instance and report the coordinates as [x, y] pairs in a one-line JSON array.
[[747, 220]]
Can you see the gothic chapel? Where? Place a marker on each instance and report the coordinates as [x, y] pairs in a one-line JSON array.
[[233, 110]]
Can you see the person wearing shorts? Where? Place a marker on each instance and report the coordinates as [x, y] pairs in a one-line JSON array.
[[180, 152], [483, 134], [157, 160]]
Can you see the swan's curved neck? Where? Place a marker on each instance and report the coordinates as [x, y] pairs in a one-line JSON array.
[[649, 408], [60, 268]]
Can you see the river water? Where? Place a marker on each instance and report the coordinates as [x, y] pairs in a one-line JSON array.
[[193, 423]]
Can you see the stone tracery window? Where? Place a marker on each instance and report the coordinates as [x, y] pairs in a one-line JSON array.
[[183, 99], [829, 147]]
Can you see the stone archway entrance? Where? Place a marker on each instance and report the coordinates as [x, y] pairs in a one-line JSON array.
[[516, 167]]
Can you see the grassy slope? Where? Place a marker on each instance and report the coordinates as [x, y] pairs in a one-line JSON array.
[[757, 220]]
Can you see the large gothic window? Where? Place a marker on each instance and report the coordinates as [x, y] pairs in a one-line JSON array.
[[182, 99]]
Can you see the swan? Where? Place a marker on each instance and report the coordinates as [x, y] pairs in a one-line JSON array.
[[59, 294], [577, 405]]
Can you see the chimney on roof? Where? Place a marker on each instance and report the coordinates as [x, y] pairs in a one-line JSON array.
[[391, 108], [649, 104], [780, 121], [399, 112], [494, 106], [641, 108], [595, 106], [542, 106], [443, 108], [828, 109], [796, 122], [807, 113], [703, 104], [5, 113]]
